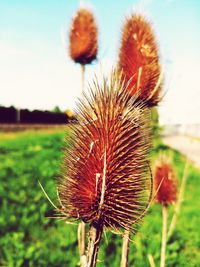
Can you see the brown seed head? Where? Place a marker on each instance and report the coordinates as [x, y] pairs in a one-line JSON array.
[[106, 175], [166, 182], [83, 37], [139, 61]]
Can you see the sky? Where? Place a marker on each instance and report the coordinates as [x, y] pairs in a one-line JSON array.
[[36, 71]]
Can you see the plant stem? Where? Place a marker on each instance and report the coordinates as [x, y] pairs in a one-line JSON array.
[[164, 236], [125, 249], [96, 231], [81, 243], [81, 226], [93, 244], [179, 201], [151, 260], [82, 77]]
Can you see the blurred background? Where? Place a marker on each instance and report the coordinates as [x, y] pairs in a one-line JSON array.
[[39, 86], [37, 73]]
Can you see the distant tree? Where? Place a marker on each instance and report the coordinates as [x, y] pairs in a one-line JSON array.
[[57, 109]]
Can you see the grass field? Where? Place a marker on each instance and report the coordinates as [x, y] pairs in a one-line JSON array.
[[30, 238]]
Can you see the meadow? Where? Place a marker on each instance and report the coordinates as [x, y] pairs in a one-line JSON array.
[[31, 237]]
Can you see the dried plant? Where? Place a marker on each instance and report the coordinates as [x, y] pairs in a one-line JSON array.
[[166, 182], [139, 60], [83, 37], [139, 63], [83, 49], [107, 182], [166, 194]]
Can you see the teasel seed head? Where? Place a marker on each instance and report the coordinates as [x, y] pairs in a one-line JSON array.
[[165, 183], [106, 177], [83, 37], [139, 60]]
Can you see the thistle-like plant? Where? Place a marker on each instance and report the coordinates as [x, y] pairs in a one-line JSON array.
[[140, 67], [83, 43], [166, 186], [139, 60], [83, 37], [106, 180], [165, 181], [83, 47]]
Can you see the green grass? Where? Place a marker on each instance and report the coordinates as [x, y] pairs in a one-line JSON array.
[[29, 237]]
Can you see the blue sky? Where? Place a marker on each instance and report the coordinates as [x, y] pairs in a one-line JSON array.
[[36, 71]]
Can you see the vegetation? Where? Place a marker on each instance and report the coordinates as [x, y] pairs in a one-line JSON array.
[[13, 115], [57, 109], [29, 237]]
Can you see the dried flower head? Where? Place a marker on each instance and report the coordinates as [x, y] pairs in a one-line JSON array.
[[83, 37], [139, 60], [166, 184], [106, 176]]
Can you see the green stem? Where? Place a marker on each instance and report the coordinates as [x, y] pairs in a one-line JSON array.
[[179, 201], [164, 236], [151, 260]]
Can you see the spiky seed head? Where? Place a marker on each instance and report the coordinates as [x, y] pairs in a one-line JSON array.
[[139, 60], [106, 174], [83, 37], [165, 183]]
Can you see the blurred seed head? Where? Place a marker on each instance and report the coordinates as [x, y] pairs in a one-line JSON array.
[[69, 113], [83, 37], [165, 183], [139, 60], [106, 175]]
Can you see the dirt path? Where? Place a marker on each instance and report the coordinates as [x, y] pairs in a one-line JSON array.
[[186, 146], [17, 127]]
